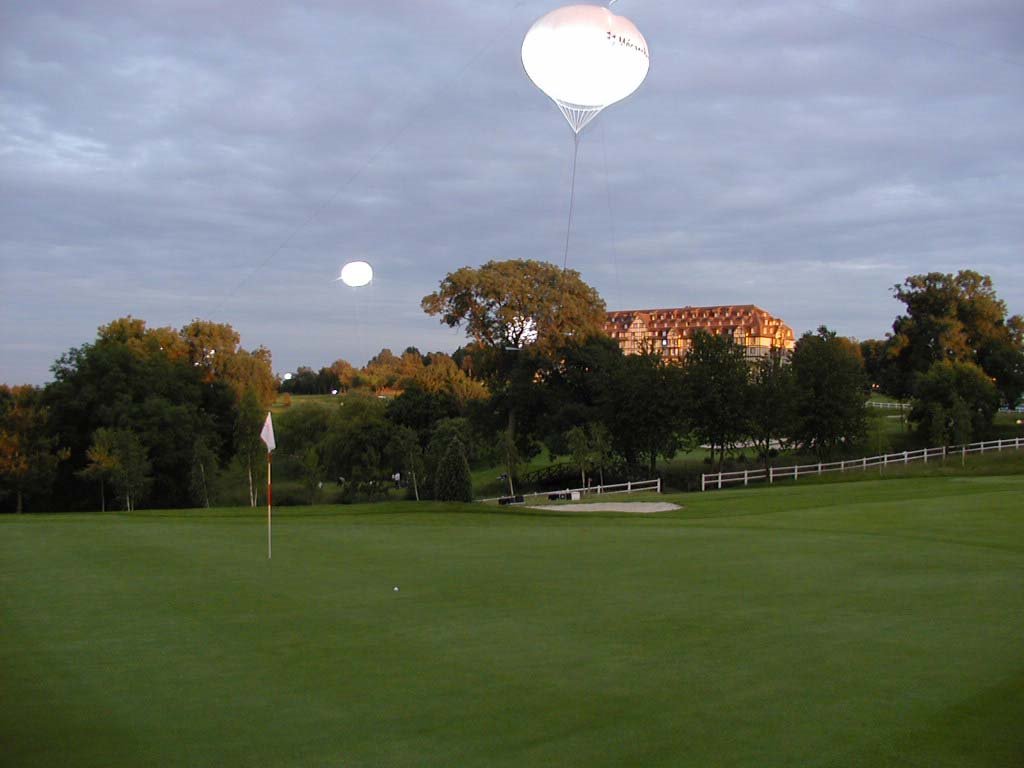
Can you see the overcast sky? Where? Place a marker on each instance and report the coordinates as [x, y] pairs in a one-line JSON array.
[[174, 160]]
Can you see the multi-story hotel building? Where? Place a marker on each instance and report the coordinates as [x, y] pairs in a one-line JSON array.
[[670, 330]]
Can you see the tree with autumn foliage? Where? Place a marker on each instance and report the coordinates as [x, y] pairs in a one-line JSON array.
[[519, 313], [215, 348], [29, 450], [146, 382], [518, 303], [102, 462]]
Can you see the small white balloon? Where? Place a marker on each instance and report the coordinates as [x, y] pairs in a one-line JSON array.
[[356, 274]]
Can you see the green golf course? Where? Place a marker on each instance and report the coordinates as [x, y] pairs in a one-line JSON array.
[[876, 623]]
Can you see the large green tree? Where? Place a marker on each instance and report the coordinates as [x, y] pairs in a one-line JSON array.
[[831, 391], [518, 303], [125, 381], [716, 375], [580, 384], [954, 403], [419, 410], [955, 317], [519, 313], [356, 441], [633, 406], [771, 404], [1002, 359], [643, 411]]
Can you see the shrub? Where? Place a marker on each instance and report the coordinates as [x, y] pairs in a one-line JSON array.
[[453, 481]]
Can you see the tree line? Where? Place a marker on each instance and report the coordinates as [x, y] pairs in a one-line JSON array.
[[137, 414], [168, 418]]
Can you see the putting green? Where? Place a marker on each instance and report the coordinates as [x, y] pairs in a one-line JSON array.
[[862, 624]]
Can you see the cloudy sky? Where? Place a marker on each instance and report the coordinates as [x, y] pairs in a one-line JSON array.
[[182, 158]]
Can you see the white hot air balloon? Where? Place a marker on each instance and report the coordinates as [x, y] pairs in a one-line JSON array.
[[356, 274], [585, 58]]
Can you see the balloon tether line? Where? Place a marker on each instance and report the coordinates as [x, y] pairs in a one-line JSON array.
[[572, 196], [611, 221]]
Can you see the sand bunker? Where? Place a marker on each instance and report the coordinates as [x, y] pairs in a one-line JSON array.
[[638, 507]]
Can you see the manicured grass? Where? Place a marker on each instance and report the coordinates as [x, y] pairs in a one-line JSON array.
[[867, 624]]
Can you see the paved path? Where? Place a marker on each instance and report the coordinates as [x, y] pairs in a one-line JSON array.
[[639, 507]]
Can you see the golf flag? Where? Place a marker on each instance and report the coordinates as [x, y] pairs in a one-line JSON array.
[[267, 436], [267, 433]]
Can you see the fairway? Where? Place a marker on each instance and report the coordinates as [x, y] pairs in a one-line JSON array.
[[878, 623]]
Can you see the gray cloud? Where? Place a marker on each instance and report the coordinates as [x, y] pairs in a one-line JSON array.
[[177, 159]]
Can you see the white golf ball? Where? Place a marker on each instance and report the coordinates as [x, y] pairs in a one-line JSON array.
[[396, 589]]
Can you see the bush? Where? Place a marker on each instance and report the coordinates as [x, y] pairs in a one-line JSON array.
[[453, 481]]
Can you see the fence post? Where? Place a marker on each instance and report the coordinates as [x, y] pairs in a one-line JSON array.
[[963, 454], [745, 476], [771, 475], [659, 485], [842, 465], [819, 467], [796, 471], [719, 480], [904, 457], [925, 455], [864, 463], [629, 486], [702, 478]]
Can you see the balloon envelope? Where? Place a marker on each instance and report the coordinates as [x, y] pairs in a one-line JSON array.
[[356, 274], [584, 58]]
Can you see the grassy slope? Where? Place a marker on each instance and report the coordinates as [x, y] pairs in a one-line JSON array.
[[875, 623], [283, 402]]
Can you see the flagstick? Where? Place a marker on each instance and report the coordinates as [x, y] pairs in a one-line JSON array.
[[267, 436], [270, 498]]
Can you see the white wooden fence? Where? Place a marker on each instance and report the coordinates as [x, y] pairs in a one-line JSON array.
[[634, 486], [882, 404], [745, 477]]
